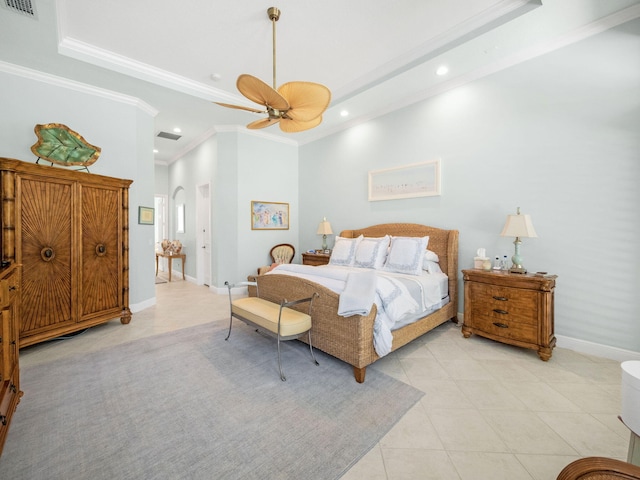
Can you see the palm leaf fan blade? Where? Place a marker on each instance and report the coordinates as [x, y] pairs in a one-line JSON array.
[[262, 123], [257, 91], [240, 107], [292, 126], [307, 100]]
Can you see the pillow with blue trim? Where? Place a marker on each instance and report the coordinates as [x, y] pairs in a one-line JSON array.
[[406, 255], [371, 252], [344, 251]]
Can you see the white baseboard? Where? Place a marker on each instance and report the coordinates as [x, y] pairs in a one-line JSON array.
[[138, 307], [596, 349], [586, 347]]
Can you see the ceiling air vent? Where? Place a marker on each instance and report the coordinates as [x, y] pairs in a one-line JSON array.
[[170, 136], [24, 7]]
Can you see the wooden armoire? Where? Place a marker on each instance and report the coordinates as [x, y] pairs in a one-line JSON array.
[[69, 230]]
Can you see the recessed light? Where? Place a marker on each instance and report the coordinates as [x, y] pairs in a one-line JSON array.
[[177, 130], [155, 150], [344, 113], [442, 70], [216, 77]]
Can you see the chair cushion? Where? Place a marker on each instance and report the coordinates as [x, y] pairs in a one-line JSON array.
[[265, 314], [282, 254]]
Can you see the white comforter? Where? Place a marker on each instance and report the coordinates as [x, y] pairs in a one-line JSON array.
[[399, 298]]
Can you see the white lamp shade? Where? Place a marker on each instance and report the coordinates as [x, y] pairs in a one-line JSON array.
[[324, 228], [518, 226]]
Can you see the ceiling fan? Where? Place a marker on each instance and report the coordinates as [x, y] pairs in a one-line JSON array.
[[296, 106]]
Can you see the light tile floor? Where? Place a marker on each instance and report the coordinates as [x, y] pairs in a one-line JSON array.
[[490, 411]]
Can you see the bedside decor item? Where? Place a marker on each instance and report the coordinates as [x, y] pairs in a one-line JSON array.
[[518, 226], [409, 181], [58, 144], [269, 216], [324, 229], [145, 215]]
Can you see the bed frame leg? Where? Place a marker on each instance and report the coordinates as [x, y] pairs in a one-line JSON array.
[[359, 373]]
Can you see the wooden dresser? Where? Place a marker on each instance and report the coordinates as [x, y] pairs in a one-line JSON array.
[[69, 230], [315, 258], [511, 308], [9, 370]]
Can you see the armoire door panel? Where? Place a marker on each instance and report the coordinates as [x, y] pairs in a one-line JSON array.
[[101, 250], [45, 238]]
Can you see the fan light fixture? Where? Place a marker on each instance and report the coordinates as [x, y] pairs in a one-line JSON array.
[[296, 106]]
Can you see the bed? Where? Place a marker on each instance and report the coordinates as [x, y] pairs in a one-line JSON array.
[[351, 338]]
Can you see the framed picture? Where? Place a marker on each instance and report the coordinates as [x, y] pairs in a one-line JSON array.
[[415, 180], [145, 215], [269, 216]]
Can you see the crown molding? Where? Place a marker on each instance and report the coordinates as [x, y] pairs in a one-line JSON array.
[[61, 82]]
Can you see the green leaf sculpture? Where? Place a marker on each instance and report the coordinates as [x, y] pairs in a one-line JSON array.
[[59, 144]]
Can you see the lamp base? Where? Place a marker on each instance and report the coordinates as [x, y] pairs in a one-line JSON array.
[[517, 270]]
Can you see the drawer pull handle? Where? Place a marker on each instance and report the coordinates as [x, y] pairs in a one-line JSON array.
[[502, 299], [501, 312], [3, 419], [13, 388], [500, 325], [12, 288]]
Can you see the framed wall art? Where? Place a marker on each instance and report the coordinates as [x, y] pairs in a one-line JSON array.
[[269, 216], [145, 215], [409, 181]]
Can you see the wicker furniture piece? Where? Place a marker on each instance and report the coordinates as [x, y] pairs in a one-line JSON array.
[[9, 370], [70, 232], [599, 468], [351, 338], [512, 308], [315, 259]]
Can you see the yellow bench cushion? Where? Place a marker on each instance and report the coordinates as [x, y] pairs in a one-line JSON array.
[[265, 314]]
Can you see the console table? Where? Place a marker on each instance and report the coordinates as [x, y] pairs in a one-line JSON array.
[[170, 257]]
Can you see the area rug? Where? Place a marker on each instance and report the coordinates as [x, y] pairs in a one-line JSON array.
[[187, 404]]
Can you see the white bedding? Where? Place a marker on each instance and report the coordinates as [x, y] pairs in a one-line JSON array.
[[400, 299]]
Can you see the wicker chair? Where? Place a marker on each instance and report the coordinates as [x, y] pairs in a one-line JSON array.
[[281, 253], [599, 468]]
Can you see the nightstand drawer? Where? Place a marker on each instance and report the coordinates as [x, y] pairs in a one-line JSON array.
[[509, 328], [504, 303]]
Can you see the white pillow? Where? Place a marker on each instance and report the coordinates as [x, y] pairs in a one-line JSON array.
[[344, 251], [406, 255], [371, 252], [431, 267], [431, 256]]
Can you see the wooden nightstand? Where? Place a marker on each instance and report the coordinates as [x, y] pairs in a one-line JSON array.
[[510, 308], [315, 259]]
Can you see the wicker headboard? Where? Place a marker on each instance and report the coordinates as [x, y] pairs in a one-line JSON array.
[[443, 242]]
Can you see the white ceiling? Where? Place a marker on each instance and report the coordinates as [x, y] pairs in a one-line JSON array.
[[375, 56]]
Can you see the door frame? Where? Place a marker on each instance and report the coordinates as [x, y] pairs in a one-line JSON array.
[[200, 254]]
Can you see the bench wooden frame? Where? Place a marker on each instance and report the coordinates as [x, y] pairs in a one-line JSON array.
[[275, 319]]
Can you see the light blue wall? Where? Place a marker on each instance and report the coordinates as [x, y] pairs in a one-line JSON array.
[[121, 129], [240, 167], [558, 136]]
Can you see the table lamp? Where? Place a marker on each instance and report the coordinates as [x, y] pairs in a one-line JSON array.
[[518, 226], [324, 229]]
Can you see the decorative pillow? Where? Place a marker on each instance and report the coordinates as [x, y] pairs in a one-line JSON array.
[[371, 252], [406, 255], [431, 256], [431, 267], [344, 251]]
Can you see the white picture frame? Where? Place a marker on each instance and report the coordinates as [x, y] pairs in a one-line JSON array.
[[408, 181]]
